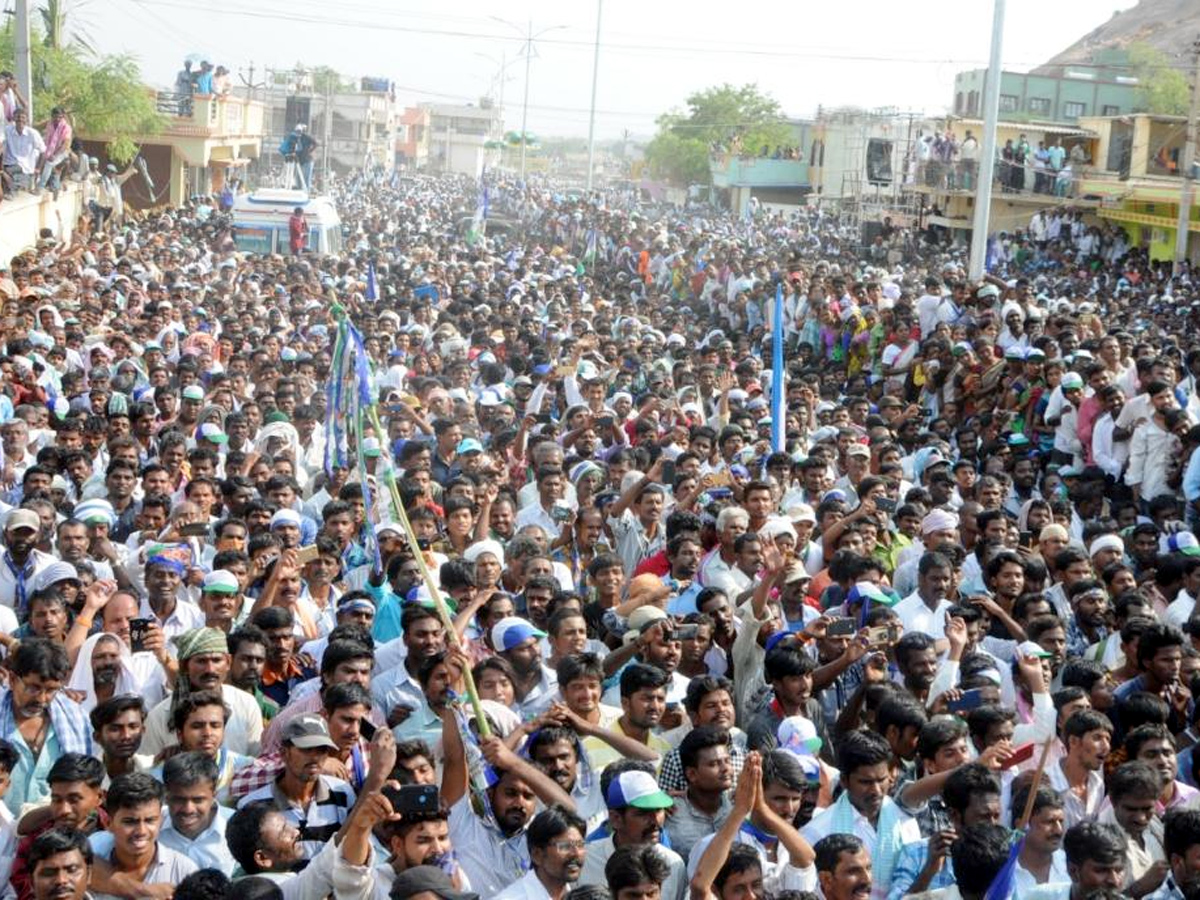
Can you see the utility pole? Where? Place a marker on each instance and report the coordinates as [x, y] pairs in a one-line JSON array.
[[1187, 192], [595, 76], [987, 161], [24, 63], [328, 131], [525, 104]]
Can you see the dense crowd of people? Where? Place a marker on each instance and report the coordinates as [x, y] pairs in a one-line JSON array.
[[933, 633]]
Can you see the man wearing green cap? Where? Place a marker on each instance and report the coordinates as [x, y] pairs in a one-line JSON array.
[[204, 665]]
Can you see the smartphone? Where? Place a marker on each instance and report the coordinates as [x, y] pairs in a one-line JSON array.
[[879, 634], [686, 632], [1020, 755], [605, 421], [560, 512], [1026, 539], [668, 471], [564, 371], [416, 798], [543, 418], [972, 699], [305, 555], [885, 504], [137, 634], [366, 728], [195, 529], [843, 627]]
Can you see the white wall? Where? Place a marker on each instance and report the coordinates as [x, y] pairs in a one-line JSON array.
[[21, 218]]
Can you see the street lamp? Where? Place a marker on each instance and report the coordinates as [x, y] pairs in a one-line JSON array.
[[530, 37]]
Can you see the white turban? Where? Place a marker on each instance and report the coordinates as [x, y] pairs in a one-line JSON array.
[[939, 520], [479, 548]]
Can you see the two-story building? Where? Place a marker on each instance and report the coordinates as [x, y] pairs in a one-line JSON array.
[[1104, 86], [205, 141]]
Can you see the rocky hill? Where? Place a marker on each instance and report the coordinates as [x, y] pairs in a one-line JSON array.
[[1169, 25]]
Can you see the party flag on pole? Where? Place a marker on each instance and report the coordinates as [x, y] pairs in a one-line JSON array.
[[372, 289], [778, 432]]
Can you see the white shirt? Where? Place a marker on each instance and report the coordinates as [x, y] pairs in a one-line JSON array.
[[243, 731], [527, 887], [1077, 810], [490, 860], [207, 849], [916, 616], [599, 851], [8, 581], [22, 148], [1023, 879], [536, 515], [184, 617], [822, 824], [779, 875], [1109, 455]]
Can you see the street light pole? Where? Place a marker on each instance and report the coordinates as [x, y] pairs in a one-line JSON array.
[[525, 104], [987, 159], [595, 77]]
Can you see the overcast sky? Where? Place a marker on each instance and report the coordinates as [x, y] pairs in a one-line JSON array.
[[654, 53]]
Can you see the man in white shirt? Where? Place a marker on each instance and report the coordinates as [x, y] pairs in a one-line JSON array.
[[555, 839], [925, 609], [23, 149], [929, 305]]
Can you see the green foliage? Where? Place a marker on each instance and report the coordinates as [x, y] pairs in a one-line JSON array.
[[61, 25], [1162, 88], [103, 95], [679, 152]]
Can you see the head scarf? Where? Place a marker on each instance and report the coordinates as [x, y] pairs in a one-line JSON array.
[[195, 643], [83, 681]]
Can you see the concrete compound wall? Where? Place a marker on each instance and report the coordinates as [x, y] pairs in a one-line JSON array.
[[24, 215]]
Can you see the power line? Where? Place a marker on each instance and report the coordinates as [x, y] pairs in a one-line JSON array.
[[618, 46]]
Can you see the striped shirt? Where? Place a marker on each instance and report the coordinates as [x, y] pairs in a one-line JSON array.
[[320, 820]]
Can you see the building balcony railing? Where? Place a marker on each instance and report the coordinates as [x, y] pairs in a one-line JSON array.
[[206, 115], [730, 170]]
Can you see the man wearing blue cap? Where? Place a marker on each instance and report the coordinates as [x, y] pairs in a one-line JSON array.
[[536, 687]]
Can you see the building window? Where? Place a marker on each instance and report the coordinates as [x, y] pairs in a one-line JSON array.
[[1039, 106], [1073, 109], [958, 103], [1009, 103], [1110, 110]]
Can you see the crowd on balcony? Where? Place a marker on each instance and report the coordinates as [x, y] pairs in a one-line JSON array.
[[735, 146], [206, 81]]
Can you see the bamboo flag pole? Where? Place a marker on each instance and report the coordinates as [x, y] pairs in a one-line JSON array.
[[1027, 813], [438, 602]]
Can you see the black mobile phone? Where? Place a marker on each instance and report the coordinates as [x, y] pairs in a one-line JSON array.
[[137, 634], [543, 418], [668, 471], [366, 728], [605, 421], [885, 504], [194, 529], [686, 632], [416, 798], [1026, 539], [969, 700], [841, 628]]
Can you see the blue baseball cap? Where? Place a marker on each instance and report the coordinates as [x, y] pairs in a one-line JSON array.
[[469, 445], [511, 632]]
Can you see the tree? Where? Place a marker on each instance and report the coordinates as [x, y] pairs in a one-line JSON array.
[[680, 150], [1162, 89], [61, 25], [103, 95]]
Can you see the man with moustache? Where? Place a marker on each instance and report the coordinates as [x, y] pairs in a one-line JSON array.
[[61, 862], [38, 719], [637, 812], [556, 854]]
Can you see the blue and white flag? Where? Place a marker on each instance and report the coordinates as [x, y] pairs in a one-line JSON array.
[[372, 288], [778, 389], [479, 222]]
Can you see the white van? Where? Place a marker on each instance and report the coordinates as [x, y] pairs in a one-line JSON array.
[[261, 221]]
